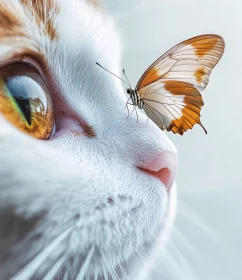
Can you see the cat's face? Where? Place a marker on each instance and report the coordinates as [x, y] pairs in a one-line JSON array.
[[90, 188]]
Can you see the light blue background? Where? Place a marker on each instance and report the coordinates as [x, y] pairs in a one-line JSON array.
[[207, 240]]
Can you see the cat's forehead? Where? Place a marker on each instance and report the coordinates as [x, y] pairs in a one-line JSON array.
[[39, 10], [44, 13], [19, 17], [39, 26]]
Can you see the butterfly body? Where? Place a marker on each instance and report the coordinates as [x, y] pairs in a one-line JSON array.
[[136, 98]]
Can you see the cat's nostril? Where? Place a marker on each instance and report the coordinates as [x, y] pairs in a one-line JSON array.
[[163, 167]]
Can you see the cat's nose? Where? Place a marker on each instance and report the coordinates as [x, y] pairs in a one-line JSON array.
[[163, 167]]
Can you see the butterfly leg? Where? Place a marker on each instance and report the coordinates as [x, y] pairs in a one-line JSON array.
[[126, 106], [136, 113], [132, 110]]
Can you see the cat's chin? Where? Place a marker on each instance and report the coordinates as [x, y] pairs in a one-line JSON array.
[[142, 258]]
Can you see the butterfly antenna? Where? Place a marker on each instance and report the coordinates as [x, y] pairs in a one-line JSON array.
[[112, 73], [127, 78]]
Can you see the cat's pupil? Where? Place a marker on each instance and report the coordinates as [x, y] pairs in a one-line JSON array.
[[21, 96], [28, 96], [24, 105]]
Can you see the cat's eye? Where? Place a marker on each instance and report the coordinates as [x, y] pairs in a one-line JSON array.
[[25, 100]]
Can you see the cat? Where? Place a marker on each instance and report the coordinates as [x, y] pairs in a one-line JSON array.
[[86, 202]]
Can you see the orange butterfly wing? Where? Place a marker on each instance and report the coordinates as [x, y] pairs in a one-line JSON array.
[[170, 87], [173, 105]]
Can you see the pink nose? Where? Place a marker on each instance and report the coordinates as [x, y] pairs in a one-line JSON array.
[[163, 167]]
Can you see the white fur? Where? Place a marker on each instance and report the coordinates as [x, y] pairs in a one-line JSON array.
[[90, 185]]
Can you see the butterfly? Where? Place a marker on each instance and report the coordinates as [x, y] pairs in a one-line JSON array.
[[169, 91]]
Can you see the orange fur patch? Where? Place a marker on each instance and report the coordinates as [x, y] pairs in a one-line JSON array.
[[43, 11], [190, 112], [10, 23], [89, 132]]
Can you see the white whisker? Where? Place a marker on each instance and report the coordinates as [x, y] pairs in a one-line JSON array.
[[95, 273], [105, 275], [183, 239], [95, 276], [112, 276], [85, 265], [109, 267], [65, 276], [52, 273], [197, 220], [123, 272], [145, 262], [172, 264], [30, 269], [141, 256], [179, 263], [116, 274]]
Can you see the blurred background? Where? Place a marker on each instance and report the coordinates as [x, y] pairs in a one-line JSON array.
[[207, 239]]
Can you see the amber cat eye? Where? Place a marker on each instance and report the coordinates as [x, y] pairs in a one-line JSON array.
[[25, 100]]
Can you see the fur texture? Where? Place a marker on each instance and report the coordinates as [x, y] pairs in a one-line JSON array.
[[62, 197]]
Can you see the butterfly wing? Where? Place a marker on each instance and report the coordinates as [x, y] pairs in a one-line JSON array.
[[173, 105], [190, 61], [170, 87]]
